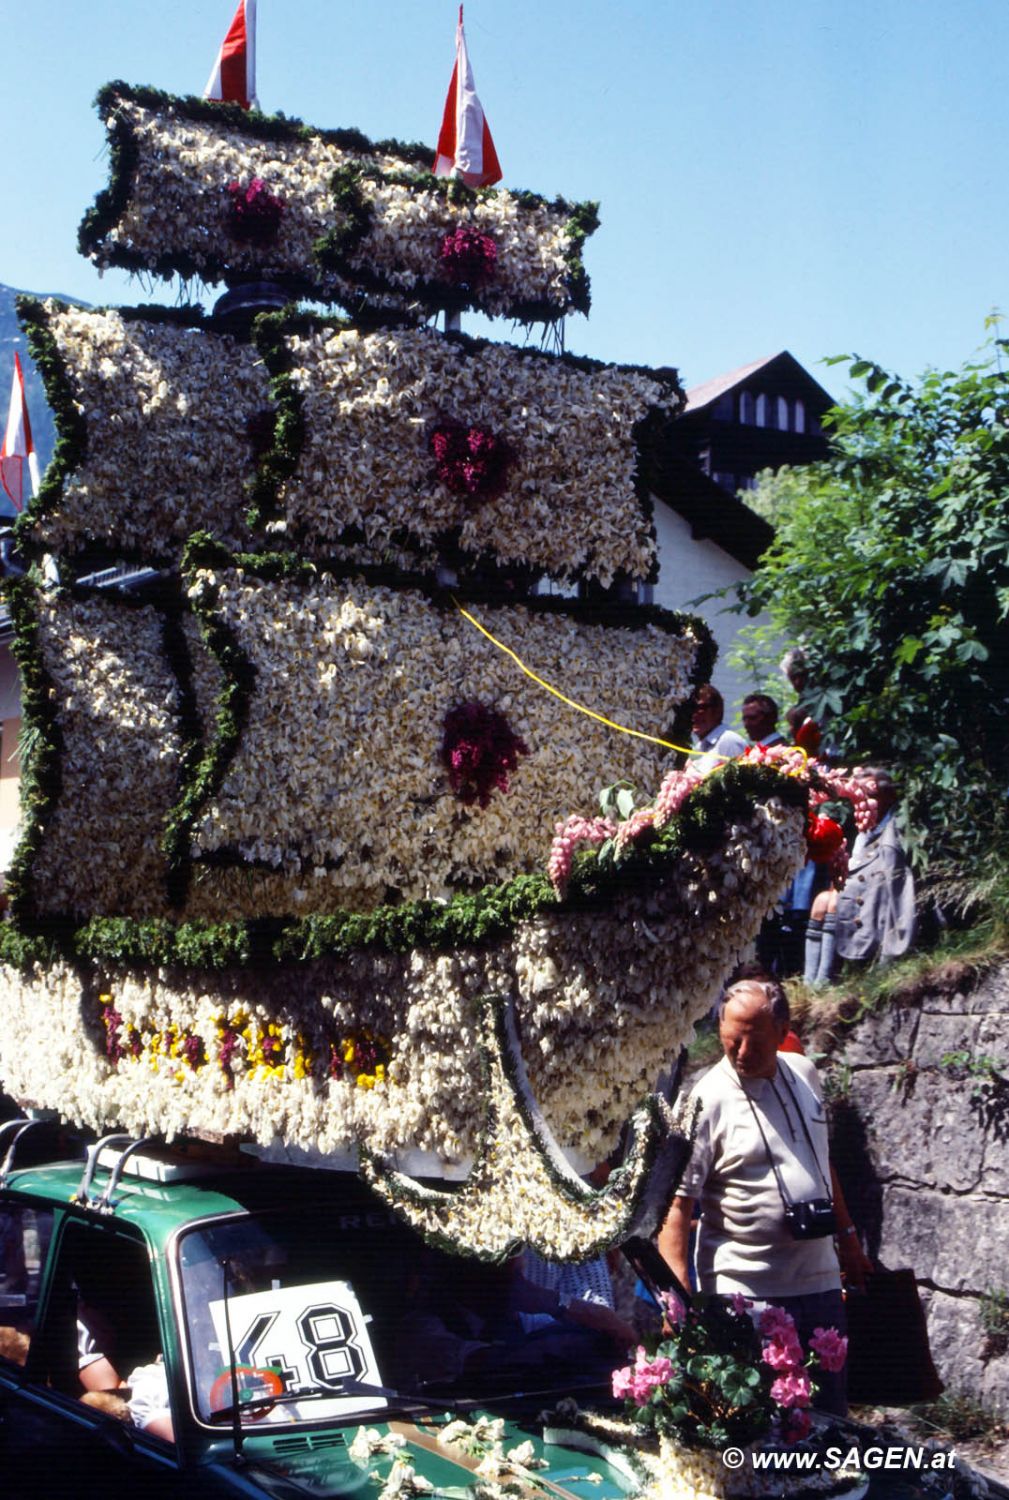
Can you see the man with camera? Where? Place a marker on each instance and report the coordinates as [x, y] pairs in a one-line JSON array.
[[773, 1223]]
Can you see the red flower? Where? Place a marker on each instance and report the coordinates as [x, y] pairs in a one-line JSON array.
[[479, 749], [808, 736], [255, 213], [471, 460], [468, 257], [823, 839]]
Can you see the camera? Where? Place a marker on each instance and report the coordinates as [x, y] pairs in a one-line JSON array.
[[812, 1220]]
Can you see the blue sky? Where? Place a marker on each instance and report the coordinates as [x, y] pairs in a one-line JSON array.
[[822, 177]]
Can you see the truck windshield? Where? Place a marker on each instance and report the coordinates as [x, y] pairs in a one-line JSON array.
[[320, 1304]]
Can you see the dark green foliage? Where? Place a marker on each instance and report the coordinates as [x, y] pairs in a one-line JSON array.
[[958, 1415], [71, 426], [891, 566], [994, 1315], [41, 746]]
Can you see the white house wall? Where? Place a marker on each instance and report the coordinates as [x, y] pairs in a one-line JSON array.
[[689, 568]]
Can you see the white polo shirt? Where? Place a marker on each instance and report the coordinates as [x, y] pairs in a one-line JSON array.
[[743, 1244]]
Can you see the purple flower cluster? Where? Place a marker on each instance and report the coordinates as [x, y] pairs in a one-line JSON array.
[[255, 213], [471, 460], [113, 1022], [118, 1045], [229, 1041], [192, 1049], [273, 1050], [479, 748], [467, 257]]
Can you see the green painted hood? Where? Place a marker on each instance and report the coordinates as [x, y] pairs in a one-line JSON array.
[[331, 1463]]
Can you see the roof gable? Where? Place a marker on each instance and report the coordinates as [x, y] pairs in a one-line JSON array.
[[774, 366]]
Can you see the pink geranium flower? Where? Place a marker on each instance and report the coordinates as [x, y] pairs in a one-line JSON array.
[[830, 1348], [647, 1374], [793, 1389], [776, 1323], [639, 1380], [783, 1353]]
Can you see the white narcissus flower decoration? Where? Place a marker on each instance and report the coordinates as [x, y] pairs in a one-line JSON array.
[[603, 1001], [176, 211], [167, 412], [338, 784], [570, 505], [116, 704], [176, 419]]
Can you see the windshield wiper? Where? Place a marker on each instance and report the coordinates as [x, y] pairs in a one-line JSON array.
[[407, 1401], [403, 1401]]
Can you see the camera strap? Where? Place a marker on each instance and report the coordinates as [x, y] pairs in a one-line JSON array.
[[782, 1192], [785, 1074]]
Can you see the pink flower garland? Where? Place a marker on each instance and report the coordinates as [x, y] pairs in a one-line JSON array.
[[825, 837], [567, 836]]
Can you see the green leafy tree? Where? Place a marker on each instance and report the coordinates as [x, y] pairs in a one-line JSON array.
[[891, 567]]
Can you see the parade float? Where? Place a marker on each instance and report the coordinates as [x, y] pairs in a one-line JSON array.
[[311, 851]]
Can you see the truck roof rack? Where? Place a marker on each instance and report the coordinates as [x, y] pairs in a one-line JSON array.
[[15, 1129]]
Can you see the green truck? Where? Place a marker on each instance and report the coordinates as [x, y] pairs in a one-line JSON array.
[[198, 1323]]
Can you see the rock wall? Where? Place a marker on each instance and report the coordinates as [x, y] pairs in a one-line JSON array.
[[922, 1147]]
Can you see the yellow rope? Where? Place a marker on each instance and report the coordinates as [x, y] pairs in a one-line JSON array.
[[601, 718]]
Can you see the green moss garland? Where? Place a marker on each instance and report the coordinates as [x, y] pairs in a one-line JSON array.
[[41, 747], [205, 763], [71, 427], [280, 460], [478, 919]]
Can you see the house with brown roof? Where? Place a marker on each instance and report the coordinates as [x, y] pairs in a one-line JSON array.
[[761, 416]]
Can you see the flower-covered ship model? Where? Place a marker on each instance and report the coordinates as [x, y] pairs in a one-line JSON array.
[[288, 800]]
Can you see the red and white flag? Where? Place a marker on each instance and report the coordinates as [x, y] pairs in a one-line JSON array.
[[464, 145], [18, 450], [233, 79]]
